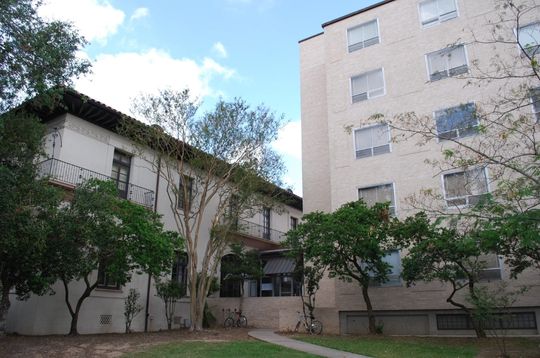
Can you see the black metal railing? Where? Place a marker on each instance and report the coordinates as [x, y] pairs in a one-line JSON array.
[[248, 228], [68, 173]]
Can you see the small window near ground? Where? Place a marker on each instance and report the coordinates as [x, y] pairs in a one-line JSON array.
[[372, 141], [447, 63], [436, 11], [379, 194], [515, 320], [363, 36], [529, 39], [465, 188], [456, 122], [367, 85]]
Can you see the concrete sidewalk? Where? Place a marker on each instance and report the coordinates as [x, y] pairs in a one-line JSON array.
[[269, 336]]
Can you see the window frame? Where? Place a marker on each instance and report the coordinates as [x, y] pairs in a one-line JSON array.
[[447, 49], [395, 206], [391, 283], [360, 25], [370, 127], [439, 138], [293, 222], [121, 164], [435, 23], [519, 46], [535, 111], [367, 93], [176, 271], [467, 204], [105, 285], [267, 223], [181, 198]]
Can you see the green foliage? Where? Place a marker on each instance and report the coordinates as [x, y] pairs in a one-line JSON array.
[[98, 229], [131, 307], [245, 266], [170, 292], [35, 55]]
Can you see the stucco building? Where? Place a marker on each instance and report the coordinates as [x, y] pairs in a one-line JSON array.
[[394, 57]]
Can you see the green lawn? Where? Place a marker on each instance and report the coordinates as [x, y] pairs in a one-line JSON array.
[[219, 350], [390, 347]]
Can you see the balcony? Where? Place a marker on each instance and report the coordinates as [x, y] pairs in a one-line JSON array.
[[65, 173], [245, 227]]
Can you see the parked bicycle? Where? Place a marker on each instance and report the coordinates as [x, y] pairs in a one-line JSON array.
[[235, 319], [311, 325]]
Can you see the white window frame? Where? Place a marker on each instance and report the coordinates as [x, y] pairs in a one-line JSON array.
[[439, 21], [395, 206], [535, 111], [466, 197], [369, 127], [439, 139], [360, 25], [391, 283], [426, 59], [368, 96], [516, 32]]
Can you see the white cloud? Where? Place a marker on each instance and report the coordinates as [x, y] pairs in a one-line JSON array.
[[95, 19], [117, 78], [139, 13], [289, 141], [219, 49]]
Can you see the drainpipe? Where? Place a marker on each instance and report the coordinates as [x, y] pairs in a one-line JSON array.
[[146, 314]]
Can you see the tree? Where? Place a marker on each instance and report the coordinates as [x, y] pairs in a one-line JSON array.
[[99, 231], [445, 254], [310, 273], [131, 307], [35, 55], [213, 165], [170, 292], [352, 242], [26, 204]]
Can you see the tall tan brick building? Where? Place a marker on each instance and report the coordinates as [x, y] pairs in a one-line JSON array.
[[393, 57]]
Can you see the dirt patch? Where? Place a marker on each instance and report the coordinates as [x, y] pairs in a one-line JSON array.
[[106, 345]]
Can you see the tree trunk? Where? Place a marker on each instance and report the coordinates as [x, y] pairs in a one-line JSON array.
[[4, 308], [369, 307], [75, 313]]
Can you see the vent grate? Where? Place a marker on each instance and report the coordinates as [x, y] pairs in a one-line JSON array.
[[105, 319]]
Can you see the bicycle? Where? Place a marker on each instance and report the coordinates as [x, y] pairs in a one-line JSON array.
[[313, 326], [231, 321]]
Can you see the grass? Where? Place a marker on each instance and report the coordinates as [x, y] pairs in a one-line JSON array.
[[389, 347], [237, 349]]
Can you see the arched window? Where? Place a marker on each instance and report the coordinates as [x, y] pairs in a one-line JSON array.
[[229, 283]]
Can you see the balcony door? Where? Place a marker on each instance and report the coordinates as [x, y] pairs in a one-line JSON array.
[[120, 172]]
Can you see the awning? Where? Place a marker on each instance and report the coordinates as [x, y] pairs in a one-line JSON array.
[[279, 265]]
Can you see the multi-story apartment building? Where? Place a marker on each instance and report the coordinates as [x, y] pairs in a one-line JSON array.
[[83, 142], [393, 57]]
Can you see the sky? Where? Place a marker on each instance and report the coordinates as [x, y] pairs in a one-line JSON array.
[[216, 48]]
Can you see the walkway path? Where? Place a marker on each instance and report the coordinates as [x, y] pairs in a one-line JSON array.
[[269, 336]]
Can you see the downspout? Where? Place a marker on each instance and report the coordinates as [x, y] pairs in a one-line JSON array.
[[146, 314]]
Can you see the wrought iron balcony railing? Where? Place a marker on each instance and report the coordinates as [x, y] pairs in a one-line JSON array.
[[67, 173], [259, 231]]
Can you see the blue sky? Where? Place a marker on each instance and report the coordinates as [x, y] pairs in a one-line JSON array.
[[217, 48]]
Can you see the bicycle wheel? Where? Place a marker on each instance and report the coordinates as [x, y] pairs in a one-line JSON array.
[[242, 321], [228, 323], [316, 327]]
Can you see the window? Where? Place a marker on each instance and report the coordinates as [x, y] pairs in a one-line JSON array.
[[294, 222], [185, 192], [516, 320], [266, 223], [363, 36], [535, 100], [372, 141], [230, 283], [447, 62], [529, 39], [120, 172], [105, 281], [179, 269], [394, 260], [379, 194], [465, 188], [456, 122], [492, 269], [367, 85], [436, 11]]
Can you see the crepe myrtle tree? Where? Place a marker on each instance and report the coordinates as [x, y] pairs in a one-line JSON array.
[[216, 168], [499, 131], [351, 242], [99, 231]]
